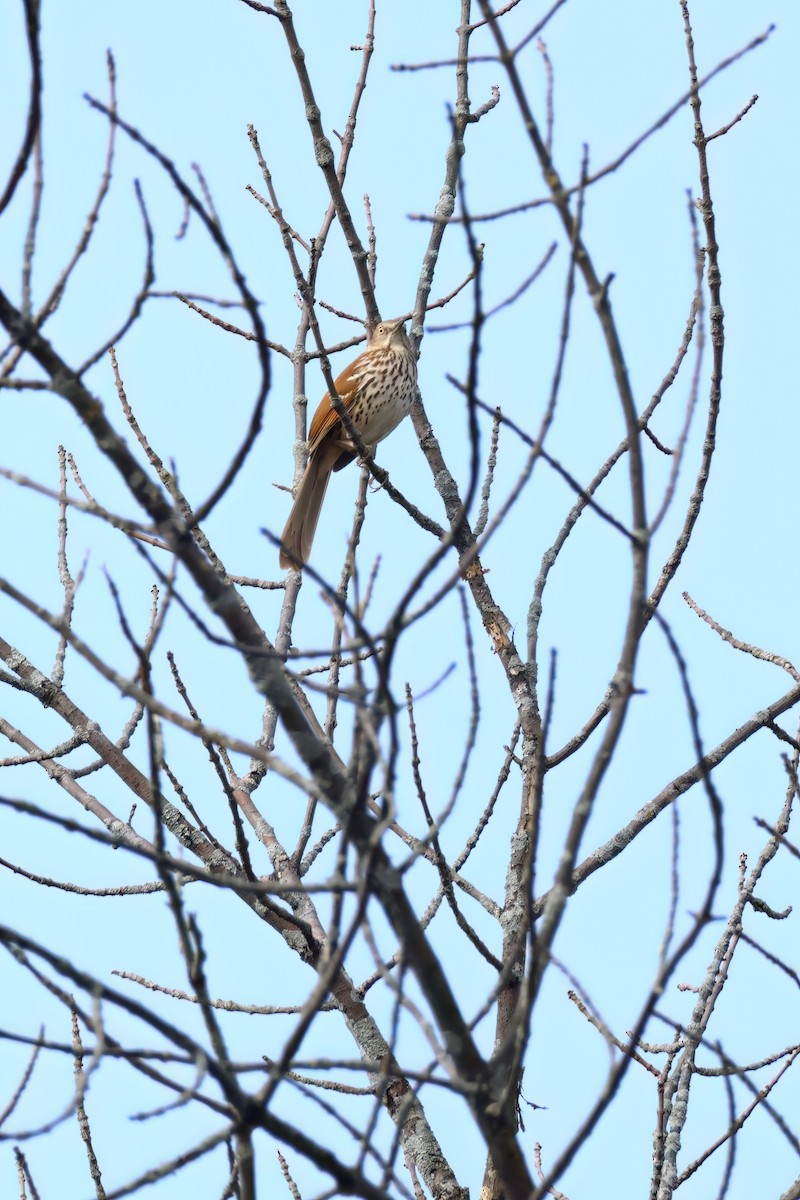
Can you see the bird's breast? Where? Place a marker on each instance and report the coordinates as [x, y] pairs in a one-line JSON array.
[[384, 396]]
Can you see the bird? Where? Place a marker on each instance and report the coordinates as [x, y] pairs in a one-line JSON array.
[[377, 390]]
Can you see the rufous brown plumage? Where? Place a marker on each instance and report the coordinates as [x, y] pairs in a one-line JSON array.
[[376, 390]]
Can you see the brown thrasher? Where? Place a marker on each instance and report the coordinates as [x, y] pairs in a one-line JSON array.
[[376, 390]]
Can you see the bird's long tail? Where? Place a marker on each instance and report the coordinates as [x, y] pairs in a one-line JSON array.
[[301, 526]]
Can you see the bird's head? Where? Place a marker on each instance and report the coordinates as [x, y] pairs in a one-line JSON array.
[[389, 333]]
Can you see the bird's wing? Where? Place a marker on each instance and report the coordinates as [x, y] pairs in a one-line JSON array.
[[326, 418]]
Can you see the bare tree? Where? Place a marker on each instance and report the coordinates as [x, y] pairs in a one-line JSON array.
[[376, 757]]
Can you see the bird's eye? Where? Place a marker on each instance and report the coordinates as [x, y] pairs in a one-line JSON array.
[[381, 329]]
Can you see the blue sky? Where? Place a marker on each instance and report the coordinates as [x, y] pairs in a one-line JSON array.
[[191, 76]]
